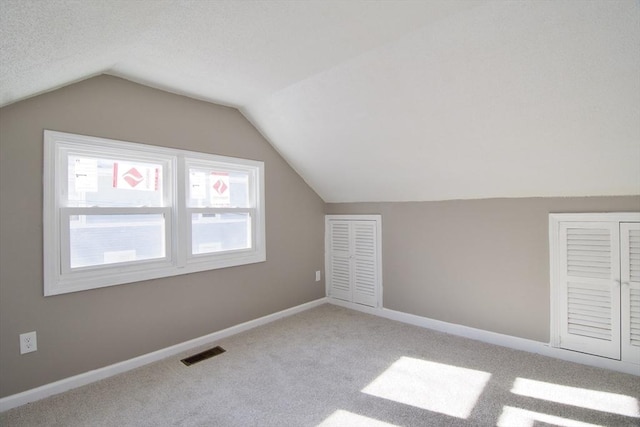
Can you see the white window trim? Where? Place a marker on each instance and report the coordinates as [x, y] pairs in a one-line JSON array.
[[59, 280]]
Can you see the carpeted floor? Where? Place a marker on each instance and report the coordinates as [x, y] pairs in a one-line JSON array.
[[331, 366]]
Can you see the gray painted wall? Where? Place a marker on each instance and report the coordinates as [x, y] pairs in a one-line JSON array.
[[86, 330], [479, 263]]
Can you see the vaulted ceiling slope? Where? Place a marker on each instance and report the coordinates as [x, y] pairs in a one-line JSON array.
[[375, 101]]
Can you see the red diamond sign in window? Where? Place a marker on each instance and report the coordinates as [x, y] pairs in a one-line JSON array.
[[137, 177], [133, 177], [220, 191], [220, 186]]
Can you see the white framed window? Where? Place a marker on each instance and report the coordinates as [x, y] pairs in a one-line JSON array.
[[119, 212]]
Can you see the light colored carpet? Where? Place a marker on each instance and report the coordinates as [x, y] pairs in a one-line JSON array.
[[331, 366]]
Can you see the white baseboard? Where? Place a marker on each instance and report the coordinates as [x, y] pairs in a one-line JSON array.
[[503, 340], [66, 384], [509, 341]]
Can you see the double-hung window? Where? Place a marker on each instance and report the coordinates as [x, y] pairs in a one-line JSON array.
[[118, 212], [221, 215]]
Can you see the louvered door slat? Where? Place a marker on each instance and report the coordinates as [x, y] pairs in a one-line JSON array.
[[582, 301], [340, 237], [603, 303], [630, 291], [588, 319], [585, 307], [340, 279], [589, 311], [589, 290], [598, 263], [635, 317], [590, 293], [590, 261], [589, 333], [366, 281], [601, 309], [634, 258]]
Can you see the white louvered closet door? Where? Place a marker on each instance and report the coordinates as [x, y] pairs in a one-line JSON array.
[[590, 288], [630, 297], [352, 259]]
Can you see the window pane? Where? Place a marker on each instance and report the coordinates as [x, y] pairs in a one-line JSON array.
[[107, 182], [108, 239], [220, 232], [218, 188]]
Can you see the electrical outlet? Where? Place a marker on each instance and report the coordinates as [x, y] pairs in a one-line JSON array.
[[28, 342], [318, 276]]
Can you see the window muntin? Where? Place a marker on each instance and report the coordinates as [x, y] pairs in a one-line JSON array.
[[118, 212]]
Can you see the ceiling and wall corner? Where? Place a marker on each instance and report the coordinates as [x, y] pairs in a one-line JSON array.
[[375, 101]]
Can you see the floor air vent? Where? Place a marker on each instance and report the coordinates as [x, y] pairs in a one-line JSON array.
[[207, 354]]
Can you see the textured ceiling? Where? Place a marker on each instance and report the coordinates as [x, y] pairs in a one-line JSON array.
[[375, 101]]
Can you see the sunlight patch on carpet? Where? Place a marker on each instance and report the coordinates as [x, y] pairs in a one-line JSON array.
[[341, 418], [576, 396], [436, 387], [522, 418]]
